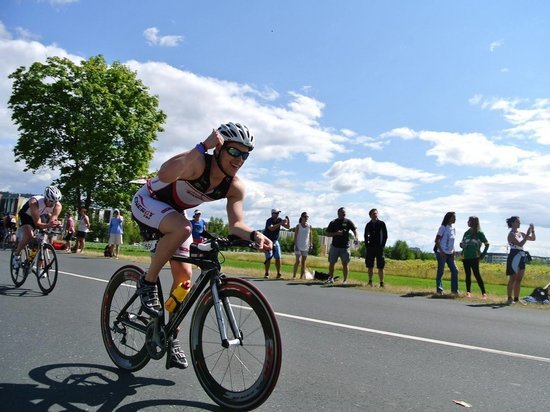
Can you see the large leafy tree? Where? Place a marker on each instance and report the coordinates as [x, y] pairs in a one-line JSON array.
[[92, 122]]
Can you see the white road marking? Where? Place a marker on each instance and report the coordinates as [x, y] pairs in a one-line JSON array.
[[382, 332], [417, 338]]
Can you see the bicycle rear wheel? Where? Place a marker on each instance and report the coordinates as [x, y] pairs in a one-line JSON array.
[[20, 274], [241, 376], [46, 269], [123, 322]]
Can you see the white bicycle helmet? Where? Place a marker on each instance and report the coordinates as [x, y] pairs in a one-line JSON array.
[[236, 132], [52, 194]]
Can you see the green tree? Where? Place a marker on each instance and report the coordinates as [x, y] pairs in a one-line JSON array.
[[217, 226], [400, 251], [92, 122]]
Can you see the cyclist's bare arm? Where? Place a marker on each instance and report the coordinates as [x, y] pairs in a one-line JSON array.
[[54, 220], [190, 164]]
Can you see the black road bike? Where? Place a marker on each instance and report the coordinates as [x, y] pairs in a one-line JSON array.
[[37, 257], [235, 343]]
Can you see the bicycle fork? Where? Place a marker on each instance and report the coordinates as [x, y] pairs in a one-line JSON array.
[[220, 306]]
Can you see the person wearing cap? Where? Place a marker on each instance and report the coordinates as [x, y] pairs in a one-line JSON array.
[[199, 226], [115, 233], [271, 231]]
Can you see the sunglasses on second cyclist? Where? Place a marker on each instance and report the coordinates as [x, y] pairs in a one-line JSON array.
[[234, 152]]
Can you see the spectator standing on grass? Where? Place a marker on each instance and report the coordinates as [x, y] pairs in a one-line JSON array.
[[115, 233], [69, 231], [82, 230], [376, 235], [271, 231], [471, 255], [338, 230], [515, 264], [199, 226], [445, 253], [302, 244]]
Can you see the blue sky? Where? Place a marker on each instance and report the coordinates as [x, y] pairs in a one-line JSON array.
[[412, 107]]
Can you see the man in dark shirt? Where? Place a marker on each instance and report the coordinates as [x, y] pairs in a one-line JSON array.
[[271, 231], [376, 236], [339, 230]]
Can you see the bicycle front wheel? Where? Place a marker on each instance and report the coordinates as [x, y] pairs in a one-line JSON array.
[[46, 269], [20, 274], [123, 322], [7, 242], [241, 376]]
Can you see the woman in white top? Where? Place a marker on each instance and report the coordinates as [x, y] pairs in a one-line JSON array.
[[82, 230], [302, 243], [515, 264], [445, 253]]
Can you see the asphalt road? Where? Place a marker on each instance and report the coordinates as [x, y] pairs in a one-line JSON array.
[[343, 350]]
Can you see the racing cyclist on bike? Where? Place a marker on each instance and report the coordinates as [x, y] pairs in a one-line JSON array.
[[184, 182], [29, 216]]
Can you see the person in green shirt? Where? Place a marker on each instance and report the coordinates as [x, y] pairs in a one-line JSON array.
[[471, 247]]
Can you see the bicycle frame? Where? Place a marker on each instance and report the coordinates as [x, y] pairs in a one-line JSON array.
[[206, 276], [210, 273]]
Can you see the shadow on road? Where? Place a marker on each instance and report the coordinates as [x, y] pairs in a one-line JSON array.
[[81, 386], [489, 305], [10, 290]]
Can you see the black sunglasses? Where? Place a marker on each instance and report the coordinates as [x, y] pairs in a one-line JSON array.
[[233, 151]]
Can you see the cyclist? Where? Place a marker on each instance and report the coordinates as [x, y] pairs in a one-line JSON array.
[[29, 216], [183, 182]]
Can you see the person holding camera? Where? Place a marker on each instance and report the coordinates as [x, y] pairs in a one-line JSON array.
[[271, 231], [517, 257], [302, 244], [338, 230]]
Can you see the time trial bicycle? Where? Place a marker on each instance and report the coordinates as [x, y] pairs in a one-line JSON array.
[[38, 257], [235, 343]]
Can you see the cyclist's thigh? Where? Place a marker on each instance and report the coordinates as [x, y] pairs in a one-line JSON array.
[[149, 211]]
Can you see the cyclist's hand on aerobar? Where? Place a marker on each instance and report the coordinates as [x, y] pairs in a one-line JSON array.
[[54, 223], [263, 243]]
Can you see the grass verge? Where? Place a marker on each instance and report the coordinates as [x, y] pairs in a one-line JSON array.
[[408, 277]]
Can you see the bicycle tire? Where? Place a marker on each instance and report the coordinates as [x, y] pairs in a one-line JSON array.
[[238, 377], [19, 275], [6, 242], [124, 342], [46, 268]]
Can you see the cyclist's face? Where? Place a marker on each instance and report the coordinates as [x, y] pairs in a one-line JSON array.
[[49, 203], [231, 160]]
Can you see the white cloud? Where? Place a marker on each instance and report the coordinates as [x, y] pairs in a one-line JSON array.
[[495, 44], [153, 39], [465, 149], [195, 104]]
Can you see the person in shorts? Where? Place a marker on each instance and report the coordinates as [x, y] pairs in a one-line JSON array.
[[115, 233], [271, 231], [30, 217], [302, 244], [339, 230], [376, 235], [183, 182], [515, 264], [69, 231]]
